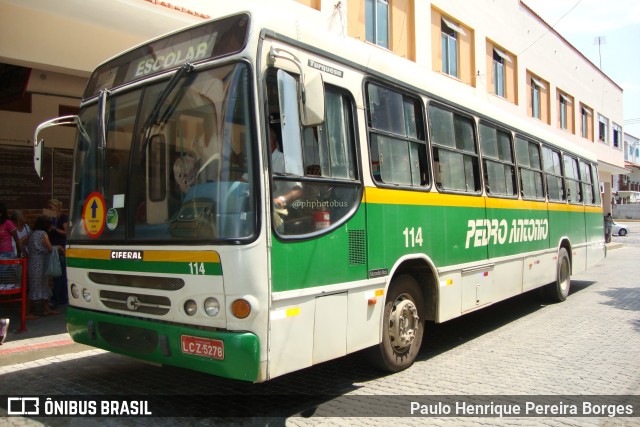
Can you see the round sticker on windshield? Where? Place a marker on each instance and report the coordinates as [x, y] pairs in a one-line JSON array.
[[112, 219], [93, 215]]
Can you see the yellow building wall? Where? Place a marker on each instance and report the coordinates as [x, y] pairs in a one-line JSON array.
[[436, 45], [314, 4], [403, 36], [401, 22], [466, 57]]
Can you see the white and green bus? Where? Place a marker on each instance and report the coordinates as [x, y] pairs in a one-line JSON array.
[[253, 196]]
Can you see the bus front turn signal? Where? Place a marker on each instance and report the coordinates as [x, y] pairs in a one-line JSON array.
[[241, 308]]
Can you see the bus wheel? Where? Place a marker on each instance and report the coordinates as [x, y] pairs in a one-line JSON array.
[[402, 328], [559, 290]]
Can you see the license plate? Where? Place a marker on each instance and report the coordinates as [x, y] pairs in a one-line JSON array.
[[205, 347]]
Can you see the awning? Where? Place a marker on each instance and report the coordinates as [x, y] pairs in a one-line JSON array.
[[612, 169]]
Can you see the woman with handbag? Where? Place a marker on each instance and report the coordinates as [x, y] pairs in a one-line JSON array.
[[40, 249], [58, 237]]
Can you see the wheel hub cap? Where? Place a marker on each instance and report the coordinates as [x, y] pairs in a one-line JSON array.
[[403, 324]]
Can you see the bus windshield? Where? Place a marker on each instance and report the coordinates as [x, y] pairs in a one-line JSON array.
[[177, 164]]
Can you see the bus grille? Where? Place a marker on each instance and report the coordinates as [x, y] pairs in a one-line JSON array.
[[357, 247], [134, 281], [138, 303]]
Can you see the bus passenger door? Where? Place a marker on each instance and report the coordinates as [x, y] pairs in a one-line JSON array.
[[317, 228]]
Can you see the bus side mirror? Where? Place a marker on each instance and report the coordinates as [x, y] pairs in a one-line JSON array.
[[38, 144], [312, 99], [38, 157]]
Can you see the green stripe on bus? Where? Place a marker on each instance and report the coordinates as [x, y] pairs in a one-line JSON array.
[[448, 235], [191, 268]]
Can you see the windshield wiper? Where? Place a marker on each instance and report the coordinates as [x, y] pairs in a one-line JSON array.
[[164, 95], [187, 68]]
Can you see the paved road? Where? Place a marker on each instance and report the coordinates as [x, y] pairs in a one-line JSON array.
[[588, 345]]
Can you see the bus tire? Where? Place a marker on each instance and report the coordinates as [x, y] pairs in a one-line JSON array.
[[559, 290], [402, 327]]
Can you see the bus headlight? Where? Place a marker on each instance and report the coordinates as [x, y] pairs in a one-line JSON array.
[[86, 295], [211, 306], [190, 307], [75, 292]]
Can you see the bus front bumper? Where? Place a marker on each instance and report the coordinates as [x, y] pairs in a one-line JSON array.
[[238, 356]]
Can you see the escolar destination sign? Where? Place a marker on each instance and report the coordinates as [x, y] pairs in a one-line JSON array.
[[207, 41]]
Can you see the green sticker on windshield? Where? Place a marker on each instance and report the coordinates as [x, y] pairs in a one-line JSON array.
[[112, 219]]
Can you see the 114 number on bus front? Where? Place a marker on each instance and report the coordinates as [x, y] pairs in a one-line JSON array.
[[197, 268]]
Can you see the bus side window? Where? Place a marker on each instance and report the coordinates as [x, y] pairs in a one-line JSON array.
[[587, 183], [553, 169], [397, 137], [302, 203], [572, 179], [499, 169], [453, 142], [530, 169]]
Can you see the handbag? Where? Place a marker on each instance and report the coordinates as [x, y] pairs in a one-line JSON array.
[[53, 266]]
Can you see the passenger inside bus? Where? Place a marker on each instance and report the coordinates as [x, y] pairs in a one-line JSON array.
[[285, 193]]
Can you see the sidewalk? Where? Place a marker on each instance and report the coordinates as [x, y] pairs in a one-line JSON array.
[[43, 332], [614, 245]]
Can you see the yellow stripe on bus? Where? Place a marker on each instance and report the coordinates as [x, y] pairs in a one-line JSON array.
[[404, 197], [157, 256], [89, 253]]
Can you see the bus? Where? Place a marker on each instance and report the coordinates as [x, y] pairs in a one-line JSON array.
[[252, 196]]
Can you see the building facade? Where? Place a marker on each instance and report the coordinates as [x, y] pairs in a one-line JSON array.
[[502, 52], [627, 190]]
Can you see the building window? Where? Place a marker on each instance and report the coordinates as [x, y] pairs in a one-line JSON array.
[[565, 109], [449, 36], [377, 22], [536, 103], [617, 136], [499, 59], [603, 129], [586, 115], [501, 72]]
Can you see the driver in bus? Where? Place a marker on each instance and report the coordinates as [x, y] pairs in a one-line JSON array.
[[185, 171]]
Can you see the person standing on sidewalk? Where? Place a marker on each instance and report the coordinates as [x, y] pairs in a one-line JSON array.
[[8, 235], [608, 227], [22, 229], [39, 249], [58, 237]]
